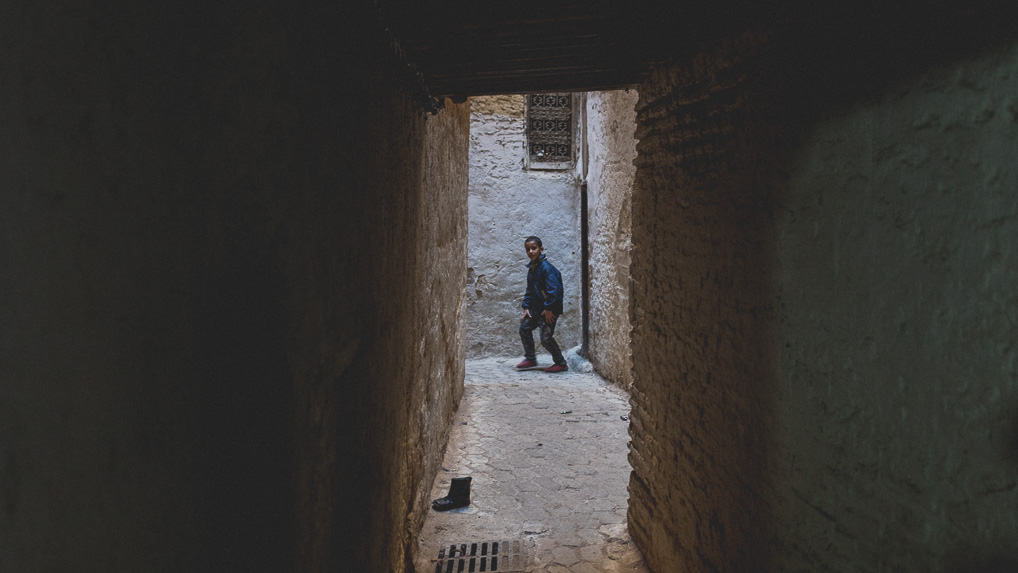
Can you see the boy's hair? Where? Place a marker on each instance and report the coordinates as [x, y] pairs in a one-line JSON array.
[[533, 239]]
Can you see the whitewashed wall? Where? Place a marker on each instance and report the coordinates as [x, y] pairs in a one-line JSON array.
[[611, 149], [507, 203]]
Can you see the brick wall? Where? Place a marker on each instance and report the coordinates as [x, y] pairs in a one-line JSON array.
[[701, 298]]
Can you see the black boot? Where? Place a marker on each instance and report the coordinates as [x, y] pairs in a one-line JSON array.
[[458, 496]]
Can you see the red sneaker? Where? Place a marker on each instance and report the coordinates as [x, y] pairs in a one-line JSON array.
[[557, 368], [527, 364]]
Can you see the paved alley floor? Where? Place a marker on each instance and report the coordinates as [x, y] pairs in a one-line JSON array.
[[547, 454]]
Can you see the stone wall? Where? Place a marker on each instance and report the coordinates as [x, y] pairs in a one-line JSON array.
[[233, 268], [611, 149], [509, 202], [823, 306]]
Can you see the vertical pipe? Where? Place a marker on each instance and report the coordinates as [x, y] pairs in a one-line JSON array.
[[584, 272], [584, 233]]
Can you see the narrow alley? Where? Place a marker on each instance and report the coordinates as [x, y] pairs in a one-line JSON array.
[[251, 249], [547, 454]]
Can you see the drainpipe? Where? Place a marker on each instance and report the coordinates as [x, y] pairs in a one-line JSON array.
[[584, 238], [584, 273]]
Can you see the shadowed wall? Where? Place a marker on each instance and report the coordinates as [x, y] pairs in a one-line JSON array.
[[823, 301], [233, 256]]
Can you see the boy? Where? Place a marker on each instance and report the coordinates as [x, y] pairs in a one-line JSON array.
[[542, 305]]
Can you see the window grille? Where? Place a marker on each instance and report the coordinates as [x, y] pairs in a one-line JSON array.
[[550, 129]]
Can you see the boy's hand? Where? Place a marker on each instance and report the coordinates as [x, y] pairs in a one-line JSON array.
[[526, 315], [549, 316]]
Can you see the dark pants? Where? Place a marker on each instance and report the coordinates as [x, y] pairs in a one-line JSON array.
[[527, 326]]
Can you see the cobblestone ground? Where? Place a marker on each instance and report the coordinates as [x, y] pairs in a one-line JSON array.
[[547, 454]]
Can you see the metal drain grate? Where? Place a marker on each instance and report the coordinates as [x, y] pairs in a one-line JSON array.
[[499, 556]]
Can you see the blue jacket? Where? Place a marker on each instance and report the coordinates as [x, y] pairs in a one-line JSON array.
[[544, 287]]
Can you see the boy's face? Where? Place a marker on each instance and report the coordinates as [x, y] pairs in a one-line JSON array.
[[533, 250]]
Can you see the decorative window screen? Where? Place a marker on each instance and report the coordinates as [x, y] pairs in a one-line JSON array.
[[550, 128]]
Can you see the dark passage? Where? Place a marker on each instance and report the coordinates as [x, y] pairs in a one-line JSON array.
[[233, 241]]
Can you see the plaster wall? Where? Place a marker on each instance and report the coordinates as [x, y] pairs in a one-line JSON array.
[[230, 337], [823, 306], [508, 203], [897, 261], [611, 149]]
